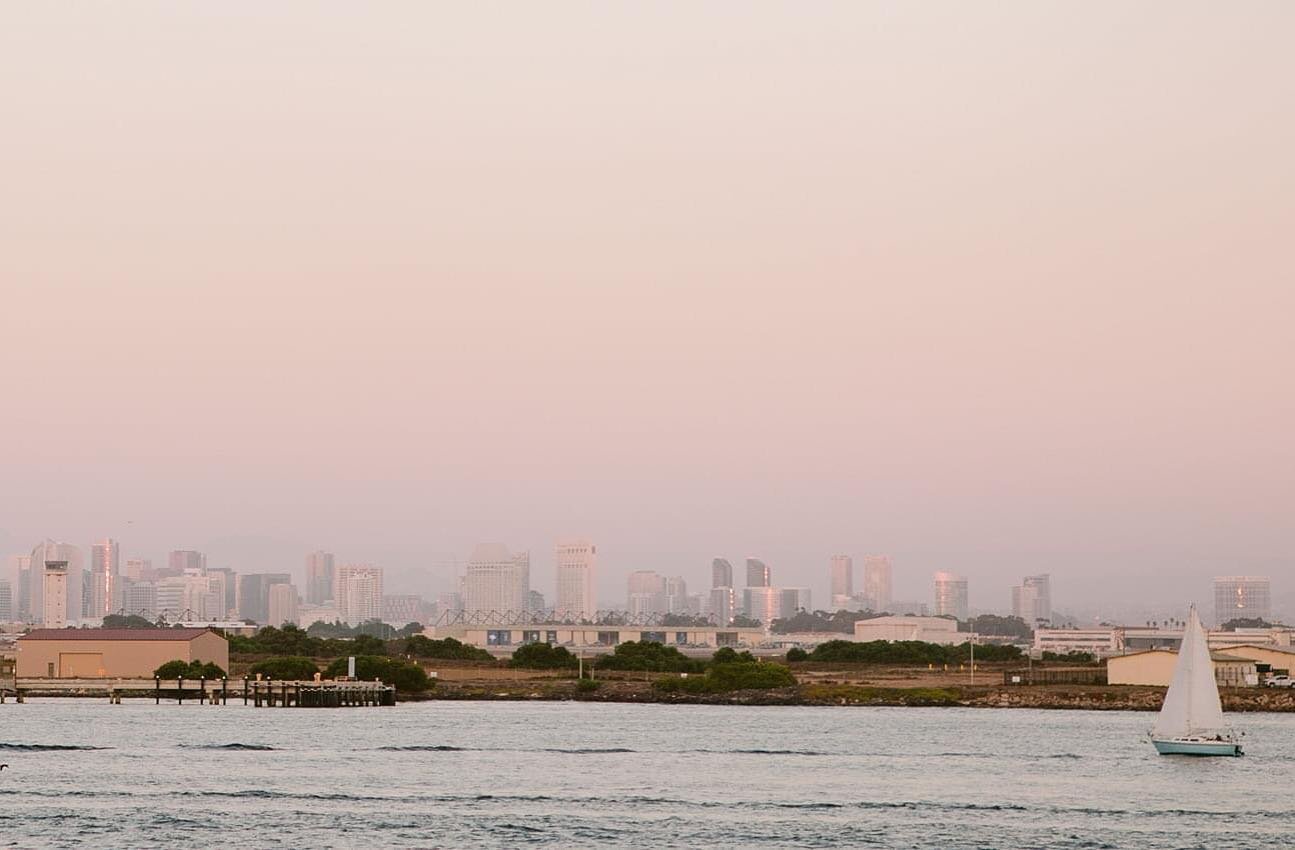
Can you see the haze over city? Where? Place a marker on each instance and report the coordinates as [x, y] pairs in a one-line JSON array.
[[988, 292]]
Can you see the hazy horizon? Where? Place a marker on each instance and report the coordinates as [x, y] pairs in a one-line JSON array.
[[994, 290]]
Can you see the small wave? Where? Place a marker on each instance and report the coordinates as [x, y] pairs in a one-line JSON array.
[[234, 746], [772, 752], [426, 748], [588, 751], [46, 748]]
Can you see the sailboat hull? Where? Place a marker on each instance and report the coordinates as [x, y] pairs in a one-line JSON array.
[[1197, 747]]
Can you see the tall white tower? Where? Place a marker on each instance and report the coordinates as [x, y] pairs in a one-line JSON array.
[[577, 578]]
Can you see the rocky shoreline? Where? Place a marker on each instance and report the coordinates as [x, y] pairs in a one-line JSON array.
[[1073, 697]]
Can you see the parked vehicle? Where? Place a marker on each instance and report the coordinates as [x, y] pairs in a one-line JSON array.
[[1279, 682]]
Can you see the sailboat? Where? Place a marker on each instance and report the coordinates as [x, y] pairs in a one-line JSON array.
[[1191, 719]]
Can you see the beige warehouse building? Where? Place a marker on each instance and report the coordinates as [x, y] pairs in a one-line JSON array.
[[1156, 667], [114, 653]]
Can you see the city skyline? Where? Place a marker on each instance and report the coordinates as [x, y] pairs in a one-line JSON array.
[[1030, 598]]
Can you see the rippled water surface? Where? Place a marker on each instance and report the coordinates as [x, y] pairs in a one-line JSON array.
[[461, 774]]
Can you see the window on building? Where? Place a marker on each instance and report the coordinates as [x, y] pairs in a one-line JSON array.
[[726, 638], [681, 638], [609, 638], [499, 637], [530, 637], [654, 637], [550, 637]]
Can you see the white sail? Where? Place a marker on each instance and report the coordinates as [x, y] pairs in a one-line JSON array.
[[1192, 704]]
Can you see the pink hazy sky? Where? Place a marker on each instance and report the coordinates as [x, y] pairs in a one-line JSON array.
[[994, 288]]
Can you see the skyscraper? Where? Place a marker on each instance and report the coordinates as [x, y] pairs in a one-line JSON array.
[[577, 580], [55, 595], [676, 592], [721, 573], [647, 593], [254, 595], [71, 580], [1242, 598], [842, 575], [950, 595], [6, 601], [1032, 599], [185, 559], [226, 580], [282, 605], [496, 579], [359, 593], [763, 603], [320, 575], [723, 605], [23, 576], [105, 571], [758, 573], [792, 600], [877, 594]]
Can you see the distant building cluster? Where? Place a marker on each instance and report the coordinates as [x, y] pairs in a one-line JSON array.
[[55, 588]]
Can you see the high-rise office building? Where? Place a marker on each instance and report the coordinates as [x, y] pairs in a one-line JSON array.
[[577, 580], [676, 594], [185, 559], [139, 598], [223, 580], [877, 578], [23, 578], [762, 603], [646, 593], [496, 579], [321, 572], [1032, 600], [283, 605], [138, 569], [721, 573], [402, 609], [55, 595], [359, 593], [105, 571], [842, 580], [187, 597], [950, 595], [70, 582], [7, 611], [792, 600], [758, 573], [1242, 598], [254, 595], [723, 605]]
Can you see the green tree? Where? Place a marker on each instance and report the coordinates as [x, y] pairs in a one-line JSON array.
[[421, 646], [731, 676], [729, 655], [368, 645], [407, 676], [541, 656], [129, 621], [178, 669], [649, 655], [285, 667], [797, 654]]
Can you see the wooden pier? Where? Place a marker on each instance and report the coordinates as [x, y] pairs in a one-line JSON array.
[[261, 693]]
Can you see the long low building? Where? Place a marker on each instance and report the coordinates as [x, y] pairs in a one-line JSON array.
[[596, 637], [1156, 667], [114, 653], [943, 630]]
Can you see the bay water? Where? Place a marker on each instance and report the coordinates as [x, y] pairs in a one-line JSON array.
[[83, 773]]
